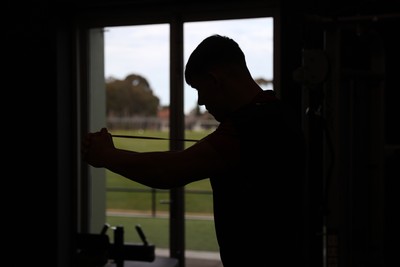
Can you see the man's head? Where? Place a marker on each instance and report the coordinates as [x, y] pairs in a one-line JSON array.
[[217, 70], [214, 51]]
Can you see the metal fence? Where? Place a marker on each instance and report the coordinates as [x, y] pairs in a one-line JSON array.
[[153, 193]]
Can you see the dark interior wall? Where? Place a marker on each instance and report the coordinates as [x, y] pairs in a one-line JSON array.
[[392, 141], [40, 45], [30, 68]]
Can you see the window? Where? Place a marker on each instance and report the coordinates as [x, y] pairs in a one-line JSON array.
[[137, 70], [142, 55]]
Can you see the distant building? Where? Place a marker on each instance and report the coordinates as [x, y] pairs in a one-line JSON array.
[[195, 121]]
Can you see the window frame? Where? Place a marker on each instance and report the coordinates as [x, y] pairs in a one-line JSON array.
[[176, 17]]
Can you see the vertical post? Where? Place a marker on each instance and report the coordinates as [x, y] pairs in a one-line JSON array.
[[153, 202], [119, 246], [335, 176], [177, 209]]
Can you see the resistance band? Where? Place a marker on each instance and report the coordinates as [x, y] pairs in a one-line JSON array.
[[152, 137]]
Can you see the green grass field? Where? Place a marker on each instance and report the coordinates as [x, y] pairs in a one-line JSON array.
[[200, 234]]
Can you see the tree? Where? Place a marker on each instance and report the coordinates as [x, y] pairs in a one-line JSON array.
[[129, 97]]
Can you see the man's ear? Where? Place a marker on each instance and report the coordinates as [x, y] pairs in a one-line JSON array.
[[214, 78]]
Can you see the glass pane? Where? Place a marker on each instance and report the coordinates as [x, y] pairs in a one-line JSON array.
[[137, 100], [255, 37]]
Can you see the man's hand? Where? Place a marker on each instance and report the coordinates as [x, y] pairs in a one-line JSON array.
[[96, 147]]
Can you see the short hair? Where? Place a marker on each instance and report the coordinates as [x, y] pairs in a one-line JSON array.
[[215, 50]]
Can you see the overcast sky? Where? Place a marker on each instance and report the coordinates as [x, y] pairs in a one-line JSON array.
[[144, 50]]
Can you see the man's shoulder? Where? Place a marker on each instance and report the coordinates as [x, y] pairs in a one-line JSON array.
[[265, 96]]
